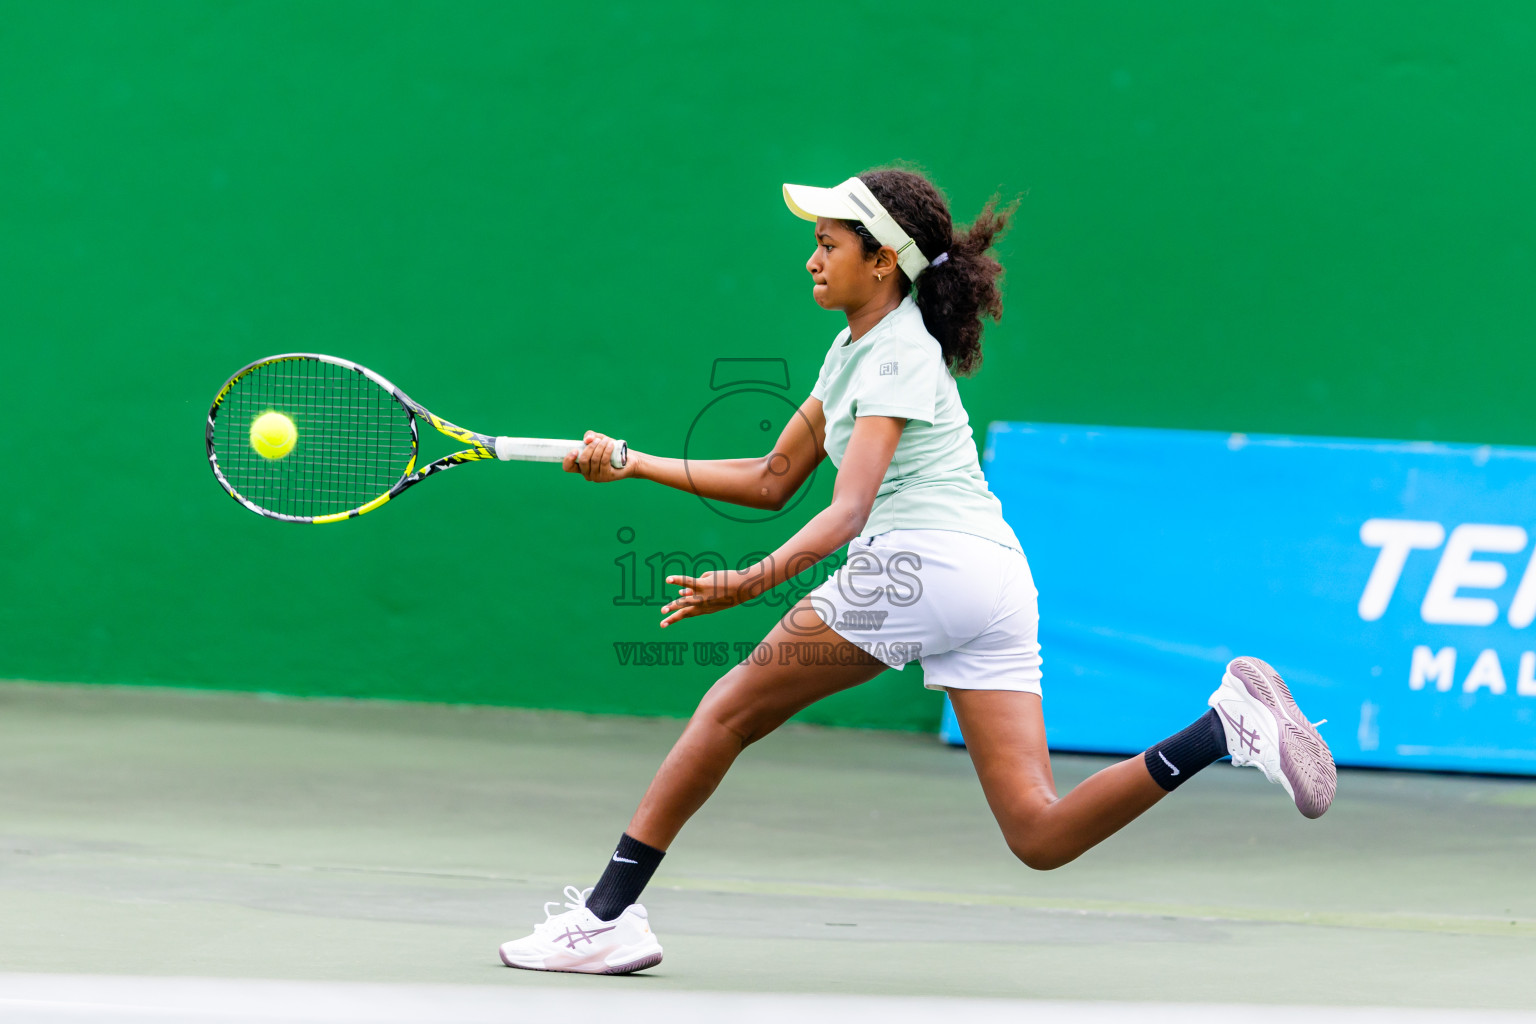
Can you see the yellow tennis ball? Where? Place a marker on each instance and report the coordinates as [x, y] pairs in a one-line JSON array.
[[273, 435]]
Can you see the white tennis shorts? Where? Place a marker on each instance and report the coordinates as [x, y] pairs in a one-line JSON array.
[[964, 607]]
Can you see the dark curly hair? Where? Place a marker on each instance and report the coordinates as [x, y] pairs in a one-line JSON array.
[[956, 294]]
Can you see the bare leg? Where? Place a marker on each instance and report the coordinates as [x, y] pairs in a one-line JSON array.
[[1005, 734], [748, 703]]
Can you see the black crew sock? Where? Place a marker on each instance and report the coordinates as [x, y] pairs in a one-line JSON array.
[[1174, 760], [625, 877]]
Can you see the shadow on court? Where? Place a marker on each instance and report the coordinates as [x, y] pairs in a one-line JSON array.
[[177, 834]]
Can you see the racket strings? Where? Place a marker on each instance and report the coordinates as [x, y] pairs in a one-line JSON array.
[[354, 439]]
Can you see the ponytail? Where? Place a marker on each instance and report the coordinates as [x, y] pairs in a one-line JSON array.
[[956, 292]]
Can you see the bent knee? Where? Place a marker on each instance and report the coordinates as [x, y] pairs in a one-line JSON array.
[[1039, 859], [742, 719], [732, 721], [1033, 834]]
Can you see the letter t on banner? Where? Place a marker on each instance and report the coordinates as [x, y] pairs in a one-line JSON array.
[[1395, 538]]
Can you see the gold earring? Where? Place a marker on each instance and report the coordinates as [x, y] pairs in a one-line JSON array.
[[879, 277]]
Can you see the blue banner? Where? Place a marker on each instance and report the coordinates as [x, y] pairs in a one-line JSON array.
[[1392, 584]]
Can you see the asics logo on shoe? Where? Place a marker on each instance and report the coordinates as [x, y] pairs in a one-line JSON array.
[[622, 860], [1168, 762], [574, 933], [1245, 735]]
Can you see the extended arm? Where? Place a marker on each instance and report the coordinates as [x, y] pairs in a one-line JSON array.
[[765, 482]]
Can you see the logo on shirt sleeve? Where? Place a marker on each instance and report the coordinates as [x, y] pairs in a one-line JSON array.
[[889, 369]]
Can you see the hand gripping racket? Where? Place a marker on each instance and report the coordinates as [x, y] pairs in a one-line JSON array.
[[352, 446]]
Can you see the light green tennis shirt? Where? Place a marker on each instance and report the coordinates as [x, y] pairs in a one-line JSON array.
[[934, 481]]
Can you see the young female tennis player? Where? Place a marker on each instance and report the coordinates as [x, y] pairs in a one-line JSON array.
[[929, 555]]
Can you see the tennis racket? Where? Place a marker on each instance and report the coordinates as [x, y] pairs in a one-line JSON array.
[[352, 446]]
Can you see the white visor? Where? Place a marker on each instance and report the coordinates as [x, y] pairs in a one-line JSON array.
[[852, 200]]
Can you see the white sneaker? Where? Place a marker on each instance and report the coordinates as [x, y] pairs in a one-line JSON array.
[[577, 941], [1265, 728]]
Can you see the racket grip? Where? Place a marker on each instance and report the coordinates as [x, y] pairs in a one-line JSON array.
[[548, 449]]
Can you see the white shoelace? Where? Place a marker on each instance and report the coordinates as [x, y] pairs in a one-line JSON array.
[[576, 899]]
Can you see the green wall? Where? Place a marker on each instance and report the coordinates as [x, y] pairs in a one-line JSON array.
[[1308, 217]]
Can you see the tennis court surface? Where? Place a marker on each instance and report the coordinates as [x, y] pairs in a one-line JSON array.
[[181, 856]]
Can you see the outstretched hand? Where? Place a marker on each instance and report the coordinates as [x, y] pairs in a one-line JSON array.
[[594, 460], [712, 592]]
